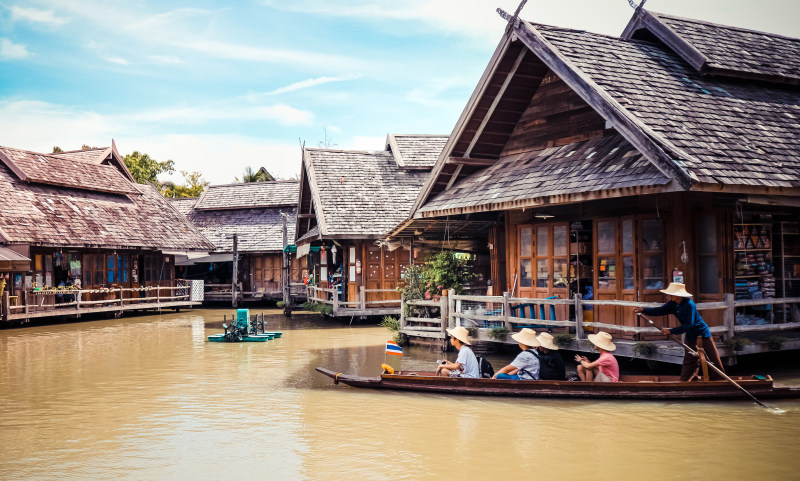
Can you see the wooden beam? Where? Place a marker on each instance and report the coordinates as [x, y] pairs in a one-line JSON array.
[[471, 161], [496, 101], [454, 176]]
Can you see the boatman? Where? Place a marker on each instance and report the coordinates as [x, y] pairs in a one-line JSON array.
[[466, 364], [681, 305]]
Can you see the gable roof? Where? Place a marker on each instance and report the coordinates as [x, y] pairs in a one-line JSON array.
[[721, 50], [249, 194], [95, 155], [358, 194], [57, 215], [257, 230], [184, 205], [700, 132], [415, 151], [38, 168]]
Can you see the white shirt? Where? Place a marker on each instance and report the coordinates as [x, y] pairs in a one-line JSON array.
[[468, 361]]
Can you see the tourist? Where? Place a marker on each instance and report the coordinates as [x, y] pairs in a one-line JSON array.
[[526, 365], [681, 305], [551, 366], [605, 368], [466, 364]]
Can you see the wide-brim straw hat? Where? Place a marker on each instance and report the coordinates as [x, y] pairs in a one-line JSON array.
[[546, 341], [526, 336], [460, 333], [676, 289], [602, 340]]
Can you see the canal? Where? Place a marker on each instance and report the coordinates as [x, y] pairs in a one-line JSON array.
[[148, 398]]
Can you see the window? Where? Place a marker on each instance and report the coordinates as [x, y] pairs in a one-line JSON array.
[[525, 254], [606, 258], [707, 266], [653, 254]]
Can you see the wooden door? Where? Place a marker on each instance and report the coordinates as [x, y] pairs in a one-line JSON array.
[[352, 274], [605, 254], [374, 272], [524, 272]]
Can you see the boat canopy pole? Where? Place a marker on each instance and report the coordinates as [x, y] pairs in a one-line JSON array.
[[715, 368]]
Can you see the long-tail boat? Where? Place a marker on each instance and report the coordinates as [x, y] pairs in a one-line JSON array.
[[629, 386]]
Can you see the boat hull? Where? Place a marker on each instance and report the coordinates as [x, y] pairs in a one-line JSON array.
[[634, 387]]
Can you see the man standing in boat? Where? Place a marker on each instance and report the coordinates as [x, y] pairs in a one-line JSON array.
[[466, 364], [681, 305]]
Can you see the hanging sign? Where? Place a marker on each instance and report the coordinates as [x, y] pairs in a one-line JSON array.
[[358, 266], [677, 276]]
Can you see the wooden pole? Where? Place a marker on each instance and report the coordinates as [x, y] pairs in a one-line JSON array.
[[362, 297], [579, 334], [729, 316], [235, 268], [507, 310], [6, 305], [25, 301], [402, 311]]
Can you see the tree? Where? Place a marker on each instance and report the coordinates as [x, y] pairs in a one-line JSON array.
[[57, 149], [145, 169], [193, 185], [87, 147], [261, 176]]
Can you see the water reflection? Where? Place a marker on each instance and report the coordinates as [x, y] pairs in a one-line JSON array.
[[149, 398]]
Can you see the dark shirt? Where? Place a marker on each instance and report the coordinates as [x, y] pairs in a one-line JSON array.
[[551, 366], [686, 312]]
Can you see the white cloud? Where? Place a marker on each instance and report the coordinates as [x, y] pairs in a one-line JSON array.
[[362, 142], [168, 59], [11, 50], [312, 82], [117, 60], [225, 110], [36, 16]]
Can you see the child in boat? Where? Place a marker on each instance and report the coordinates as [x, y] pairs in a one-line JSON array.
[[466, 364], [551, 364], [526, 365], [605, 368], [681, 305]]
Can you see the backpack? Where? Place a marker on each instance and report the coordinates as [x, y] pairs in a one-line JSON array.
[[485, 367], [547, 367]]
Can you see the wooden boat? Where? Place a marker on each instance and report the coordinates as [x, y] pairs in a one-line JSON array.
[[629, 387]]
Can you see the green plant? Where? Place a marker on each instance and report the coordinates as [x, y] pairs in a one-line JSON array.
[[775, 342], [324, 309], [412, 283], [391, 323], [498, 332], [644, 348], [400, 338], [446, 270], [281, 304], [562, 340], [737, 343]]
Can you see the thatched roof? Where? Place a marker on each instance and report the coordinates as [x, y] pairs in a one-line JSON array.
[[279, 193], [52, 201]]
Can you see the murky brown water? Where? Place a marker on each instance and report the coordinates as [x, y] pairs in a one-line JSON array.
[[149, 398]]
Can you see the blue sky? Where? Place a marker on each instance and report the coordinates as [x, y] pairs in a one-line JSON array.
[[218, 86]]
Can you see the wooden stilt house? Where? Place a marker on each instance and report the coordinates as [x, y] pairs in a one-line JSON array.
[[262, 217], [348, 201], [616, 165], [87, 238]]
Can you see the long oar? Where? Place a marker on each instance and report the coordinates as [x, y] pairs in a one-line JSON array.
[[718, 370]]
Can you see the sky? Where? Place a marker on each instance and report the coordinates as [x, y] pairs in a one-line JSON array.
[[220, 86]]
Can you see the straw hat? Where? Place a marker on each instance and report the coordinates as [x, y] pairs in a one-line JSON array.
[[460, 333], [546, 340], [676, 289], [527, 337], [602, 340]]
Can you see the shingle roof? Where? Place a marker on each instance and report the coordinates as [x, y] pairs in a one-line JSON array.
[[92, 156], [726, 50], [41, 214], [360, 193], [258, 230], [589, 166], [723, 131], [251, 194], [416, 151], [48, 169], [184, 205]]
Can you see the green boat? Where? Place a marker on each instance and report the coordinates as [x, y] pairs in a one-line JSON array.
[[245, 329]]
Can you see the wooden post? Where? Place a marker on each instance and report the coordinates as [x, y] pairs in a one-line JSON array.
[[25, 301], [78, 299], [507, 310], [729, 317], [402, 311], [362, 298], [6, 305], [120, 297], [158, 294], [335, 296], [235, 268], [578, 317], [448, 309]]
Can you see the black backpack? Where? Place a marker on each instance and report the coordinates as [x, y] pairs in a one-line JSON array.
[[485, 367], [548, 369]]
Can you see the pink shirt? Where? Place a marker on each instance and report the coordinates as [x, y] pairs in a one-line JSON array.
[[608, 366]]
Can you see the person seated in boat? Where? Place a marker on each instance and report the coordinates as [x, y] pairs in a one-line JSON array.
[[466, 364], [551, 365], [526, 365], [605, 368], [681, 305]]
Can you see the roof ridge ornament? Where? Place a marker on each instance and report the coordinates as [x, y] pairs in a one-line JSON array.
[[513, 20], [636, 7]]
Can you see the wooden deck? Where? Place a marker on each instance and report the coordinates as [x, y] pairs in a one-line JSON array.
[[360, 307]]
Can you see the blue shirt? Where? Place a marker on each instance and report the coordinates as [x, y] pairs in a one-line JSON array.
[[686, 312]]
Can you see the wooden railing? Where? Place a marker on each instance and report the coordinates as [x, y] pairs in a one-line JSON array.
[[77, 300], [325, 295], [452, 314]]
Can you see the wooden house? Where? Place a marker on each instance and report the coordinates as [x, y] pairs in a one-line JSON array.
[[615, 165], [257, 214], [81, 220], [348, 201]]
